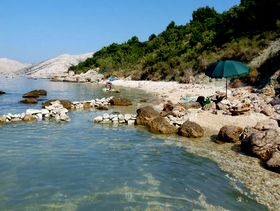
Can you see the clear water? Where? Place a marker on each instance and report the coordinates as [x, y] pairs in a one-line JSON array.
[[84, 166]]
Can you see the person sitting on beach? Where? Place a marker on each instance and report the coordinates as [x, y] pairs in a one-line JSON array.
[[109, 85]]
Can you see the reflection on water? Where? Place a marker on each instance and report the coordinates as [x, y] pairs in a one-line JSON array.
[[84, 166]]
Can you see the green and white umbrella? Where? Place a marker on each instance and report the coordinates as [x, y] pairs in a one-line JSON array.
[[226, 69]]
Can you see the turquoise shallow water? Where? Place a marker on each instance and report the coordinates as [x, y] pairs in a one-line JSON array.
[[84, 166]]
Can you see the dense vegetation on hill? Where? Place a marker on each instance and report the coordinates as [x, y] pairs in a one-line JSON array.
[[181, 51]]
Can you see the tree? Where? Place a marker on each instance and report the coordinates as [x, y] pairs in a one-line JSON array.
[[203, 14]]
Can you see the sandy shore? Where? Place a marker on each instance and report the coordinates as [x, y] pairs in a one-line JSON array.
[[264, 185], [173, 91]]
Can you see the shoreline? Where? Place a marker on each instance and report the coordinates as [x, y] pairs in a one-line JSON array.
[[264, 185]]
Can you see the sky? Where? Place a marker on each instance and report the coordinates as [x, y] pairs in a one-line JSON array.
[[35, 30]]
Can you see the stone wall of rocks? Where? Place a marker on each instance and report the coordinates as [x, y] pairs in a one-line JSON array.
[[58, 110], [54, 111], [116, 119], [101, 104]]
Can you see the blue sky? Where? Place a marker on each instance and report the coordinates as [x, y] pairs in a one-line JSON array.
[[35, 30]]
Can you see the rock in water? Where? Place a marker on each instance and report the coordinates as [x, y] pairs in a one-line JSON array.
[[35, 93], [120, 101], [65, 103], [160, 125], [230, 133], [1, 92], [191, 130], [29, 118], [145, 115], [2, 119], [29, 100]]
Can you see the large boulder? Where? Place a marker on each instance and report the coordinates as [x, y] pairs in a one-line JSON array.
[[35, 93], [161, 125], [167, 108], [29, 100], [29, 118], [274, 162], [229, 133], [120, 101], [260, 143], [145, 115], [65, 103], [191, 130]]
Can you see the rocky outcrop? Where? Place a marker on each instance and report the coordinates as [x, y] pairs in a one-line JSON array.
[[89, 76], [243, 101], [268, 53], [229, 133], [12, 67], [57, 66], [191, 130], [120, 101], [260, 143], [263, 141], [35, 93]]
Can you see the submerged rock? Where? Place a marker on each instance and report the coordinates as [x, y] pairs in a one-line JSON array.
[[35, 93], [120, 101], [29, 100]]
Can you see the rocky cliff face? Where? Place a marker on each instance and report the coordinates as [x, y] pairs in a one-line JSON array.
[[57, 66], [11, 67], [267, 64]]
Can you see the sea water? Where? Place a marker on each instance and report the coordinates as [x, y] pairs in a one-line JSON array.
[[81, 165]]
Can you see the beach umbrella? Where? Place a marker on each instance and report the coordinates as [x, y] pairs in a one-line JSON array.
[[226, 69]]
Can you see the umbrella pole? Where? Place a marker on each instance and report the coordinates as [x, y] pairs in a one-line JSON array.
[[226, 88]]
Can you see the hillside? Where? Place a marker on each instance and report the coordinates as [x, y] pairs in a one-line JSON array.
[[182, 51], [11, 67], [56, 66]]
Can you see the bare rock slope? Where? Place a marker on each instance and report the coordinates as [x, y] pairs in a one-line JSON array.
[[57, 66], [11, 67]]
